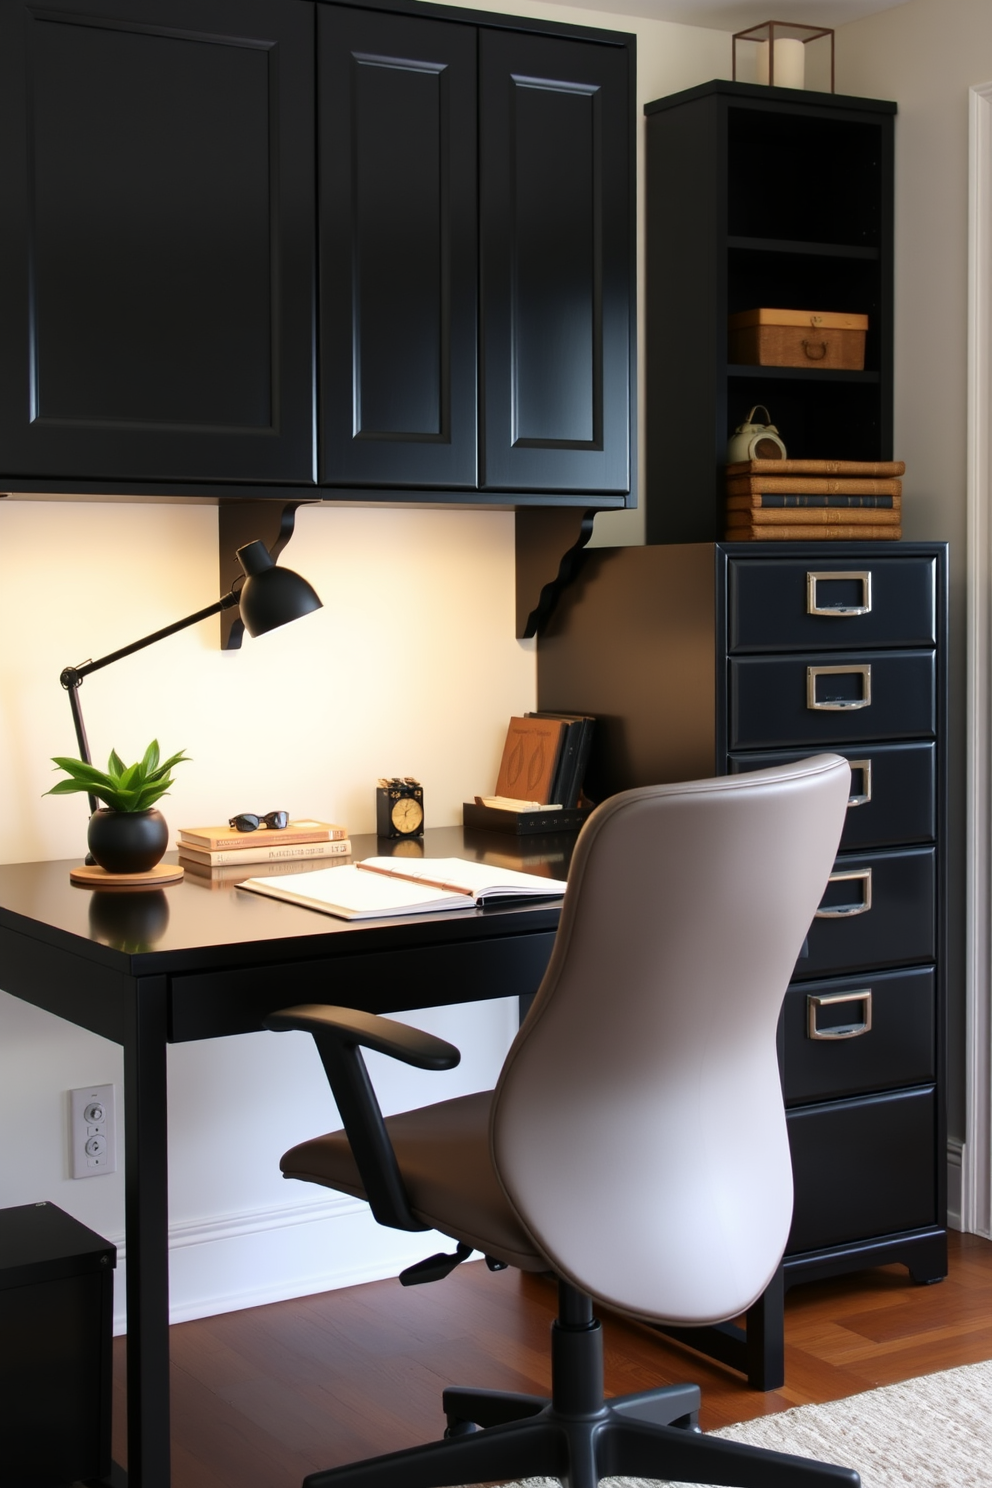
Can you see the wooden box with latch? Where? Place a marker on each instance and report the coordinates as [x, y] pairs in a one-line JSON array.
[[798, 338]]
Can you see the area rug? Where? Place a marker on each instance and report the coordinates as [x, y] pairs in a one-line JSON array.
[[934, 1432]]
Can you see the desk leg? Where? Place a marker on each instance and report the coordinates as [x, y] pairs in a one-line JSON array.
[[146, 1218], [758, 1351]]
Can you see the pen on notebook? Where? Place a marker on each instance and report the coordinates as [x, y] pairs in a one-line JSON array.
[[417, 878]]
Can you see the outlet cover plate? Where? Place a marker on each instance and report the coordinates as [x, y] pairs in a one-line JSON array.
[[92, 1131]]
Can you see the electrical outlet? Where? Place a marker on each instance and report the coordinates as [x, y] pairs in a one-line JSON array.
[[92, 1131]]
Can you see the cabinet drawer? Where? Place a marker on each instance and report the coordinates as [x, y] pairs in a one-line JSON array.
[[858, 1035], [769, 603], [893, 791], [823, 700], [862, 1168], [895, 929]]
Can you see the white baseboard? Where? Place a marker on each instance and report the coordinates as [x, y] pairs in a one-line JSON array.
[[270, 1255]]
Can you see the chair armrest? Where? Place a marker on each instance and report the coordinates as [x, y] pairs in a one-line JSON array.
[[384, 1035], [338, 1033]]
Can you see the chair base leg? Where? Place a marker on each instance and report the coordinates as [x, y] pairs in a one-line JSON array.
[[466, 1409], [578, 1436], [581, 1451]]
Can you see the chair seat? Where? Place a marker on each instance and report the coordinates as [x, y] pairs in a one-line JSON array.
[[443, 1155]]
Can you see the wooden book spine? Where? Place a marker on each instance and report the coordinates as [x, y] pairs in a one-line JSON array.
[[747, 485], [817, 516], [768, 532], [875, 469]]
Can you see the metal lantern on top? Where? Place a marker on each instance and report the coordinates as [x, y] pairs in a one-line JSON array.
[[781, 58]]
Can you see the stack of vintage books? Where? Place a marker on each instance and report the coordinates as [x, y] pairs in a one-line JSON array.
[[803, 500], [223, 854]]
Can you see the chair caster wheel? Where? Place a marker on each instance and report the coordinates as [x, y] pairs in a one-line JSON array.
[[459, 1428]]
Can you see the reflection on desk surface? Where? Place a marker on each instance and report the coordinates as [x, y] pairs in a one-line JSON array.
[[39, 900]]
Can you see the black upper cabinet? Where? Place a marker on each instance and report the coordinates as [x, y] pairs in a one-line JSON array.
[[418, 163], [156, 261], [271, 246]]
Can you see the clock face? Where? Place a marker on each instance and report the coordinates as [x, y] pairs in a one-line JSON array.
[[407, 815]]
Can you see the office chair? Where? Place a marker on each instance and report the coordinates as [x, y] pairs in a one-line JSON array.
[[635, 1144]]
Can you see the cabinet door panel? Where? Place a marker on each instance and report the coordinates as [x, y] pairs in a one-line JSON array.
[[156, 264], [863, 1168], [893, 791], [878, 910], [869, 1033], [555, 215], [398, 287], [770, 603], [849, 696]]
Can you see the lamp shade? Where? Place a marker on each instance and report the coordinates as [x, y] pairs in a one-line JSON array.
[[271, 596]]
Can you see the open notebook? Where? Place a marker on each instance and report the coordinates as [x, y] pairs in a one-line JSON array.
[[401, 886]]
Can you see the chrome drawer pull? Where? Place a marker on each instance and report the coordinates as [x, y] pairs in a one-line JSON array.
[[862, 576], [839, 705], [865, 767], [843, 911], [847, 1030]]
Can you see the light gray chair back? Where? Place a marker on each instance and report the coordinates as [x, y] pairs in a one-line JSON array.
[[638, 1128]]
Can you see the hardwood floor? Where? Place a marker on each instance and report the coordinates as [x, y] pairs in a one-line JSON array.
[[264, 1396]]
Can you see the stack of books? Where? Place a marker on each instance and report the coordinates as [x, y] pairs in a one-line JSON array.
[[575, 742], [803, 500], [539, 787], [223, 854]]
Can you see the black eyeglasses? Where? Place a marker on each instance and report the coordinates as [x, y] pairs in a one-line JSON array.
[[249, 822]]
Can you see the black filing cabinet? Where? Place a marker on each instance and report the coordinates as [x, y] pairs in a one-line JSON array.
[[844, 651], [704, 658], [56, 1314]]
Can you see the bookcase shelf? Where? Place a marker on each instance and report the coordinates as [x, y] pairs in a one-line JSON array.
[[793, 246], [760, 197], [800, 374]]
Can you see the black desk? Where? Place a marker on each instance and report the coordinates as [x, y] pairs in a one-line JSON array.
[[195, 961]]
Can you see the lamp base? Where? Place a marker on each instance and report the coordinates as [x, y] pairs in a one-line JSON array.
[[92, 876]]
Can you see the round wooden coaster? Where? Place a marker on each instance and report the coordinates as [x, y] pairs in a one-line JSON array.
[[92, 876]]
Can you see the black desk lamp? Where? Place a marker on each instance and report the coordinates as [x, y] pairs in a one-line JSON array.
[[268, 597]]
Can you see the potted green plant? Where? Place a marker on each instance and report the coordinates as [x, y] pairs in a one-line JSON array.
[[126, 834]]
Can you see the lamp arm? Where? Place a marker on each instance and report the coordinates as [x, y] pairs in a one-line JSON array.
[[72, 677]]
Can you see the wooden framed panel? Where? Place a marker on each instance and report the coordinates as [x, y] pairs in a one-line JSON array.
[[556, 220], [398, 250], [156, 283]]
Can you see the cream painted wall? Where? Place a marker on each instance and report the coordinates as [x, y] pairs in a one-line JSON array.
[[926, 54], [410, 668]]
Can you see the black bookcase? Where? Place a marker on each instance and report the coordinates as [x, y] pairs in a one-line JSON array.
[[760, 197]]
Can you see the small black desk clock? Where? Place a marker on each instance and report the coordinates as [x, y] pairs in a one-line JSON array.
[[399, 808]]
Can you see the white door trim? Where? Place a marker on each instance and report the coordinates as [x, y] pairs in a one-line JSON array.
[[976, 1186]]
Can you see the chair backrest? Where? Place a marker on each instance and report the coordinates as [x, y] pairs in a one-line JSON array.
[[638, 1126]]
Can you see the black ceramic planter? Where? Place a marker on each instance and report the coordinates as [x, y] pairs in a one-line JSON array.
[[127, 841]]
